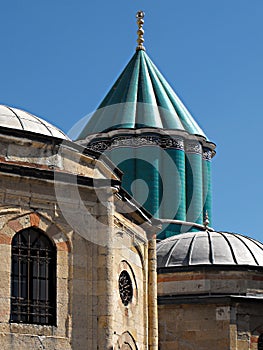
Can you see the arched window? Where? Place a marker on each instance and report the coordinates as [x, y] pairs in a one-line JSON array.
[[33, 280], [260, 342]]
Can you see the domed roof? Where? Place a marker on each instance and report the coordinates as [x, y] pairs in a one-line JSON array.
[[141, 97], [209, 248], [14, 118]]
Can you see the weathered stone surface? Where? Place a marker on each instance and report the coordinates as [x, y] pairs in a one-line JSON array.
[[203, 323], [89, 311]]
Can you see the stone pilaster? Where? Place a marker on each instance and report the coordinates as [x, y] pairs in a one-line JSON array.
[[152, 298]]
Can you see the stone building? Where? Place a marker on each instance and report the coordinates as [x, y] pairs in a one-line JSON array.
[[79, 221], [210, 290], [91, 287]]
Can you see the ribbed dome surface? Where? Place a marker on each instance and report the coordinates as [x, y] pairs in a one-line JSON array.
[[21, 120], [209, 248], [141, 97]]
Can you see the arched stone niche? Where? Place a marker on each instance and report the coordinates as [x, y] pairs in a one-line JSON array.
[[125, 342]]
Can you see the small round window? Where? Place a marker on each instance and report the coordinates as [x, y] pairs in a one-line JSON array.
[[260, 342], [125, 288]]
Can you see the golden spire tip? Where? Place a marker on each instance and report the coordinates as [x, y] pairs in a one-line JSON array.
[[140, 31], [206, 220]]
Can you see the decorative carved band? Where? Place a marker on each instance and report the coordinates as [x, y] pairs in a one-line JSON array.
[[138, 141], [193, 147], [173, 142], [99, 146], [207, 154]]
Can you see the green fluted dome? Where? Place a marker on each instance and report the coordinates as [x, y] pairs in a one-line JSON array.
[[141, 98], [146, 130]]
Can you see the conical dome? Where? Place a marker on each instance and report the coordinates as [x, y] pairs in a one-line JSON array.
[[141, 98], [146, 130]]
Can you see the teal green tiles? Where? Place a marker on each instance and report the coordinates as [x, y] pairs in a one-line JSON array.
[[125, 160], [172, 170], [169, 177], [141, 178], [148, 178], [140, 98], [170, 230], [150, 135], [194, 188]]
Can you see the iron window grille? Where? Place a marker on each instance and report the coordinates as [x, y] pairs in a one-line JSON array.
[[125, 287], [33, 279]]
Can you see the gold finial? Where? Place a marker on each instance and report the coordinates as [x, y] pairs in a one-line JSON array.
[[140, 31], [206, 220]]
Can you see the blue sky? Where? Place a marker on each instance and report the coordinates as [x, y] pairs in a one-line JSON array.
[[59, 58]]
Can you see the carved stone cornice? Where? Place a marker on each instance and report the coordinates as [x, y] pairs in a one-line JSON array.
[[164, 141], [193, 147], [99, 146], [173, 142], [207, 154]]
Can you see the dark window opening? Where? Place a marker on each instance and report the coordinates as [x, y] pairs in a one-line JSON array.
[[33, 279], [260, 342], [125, 287]]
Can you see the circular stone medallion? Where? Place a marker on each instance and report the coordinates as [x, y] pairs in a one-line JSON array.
[[125, 287]]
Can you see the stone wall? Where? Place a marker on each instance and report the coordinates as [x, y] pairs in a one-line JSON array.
[[69, 195], [189, 327], [24, 336], [210, 308], [90, 313], [248, 325], [211, 281], [222, 326], [130, 254]]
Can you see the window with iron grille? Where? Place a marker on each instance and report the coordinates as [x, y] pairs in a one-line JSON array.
[[33, 280]]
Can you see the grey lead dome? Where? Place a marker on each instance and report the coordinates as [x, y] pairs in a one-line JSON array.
[[18, 119], [209, 248]]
